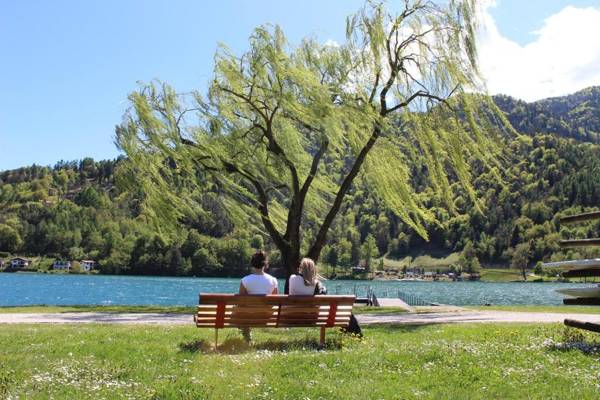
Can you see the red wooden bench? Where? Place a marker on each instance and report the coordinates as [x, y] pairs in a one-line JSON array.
[[273, 311]]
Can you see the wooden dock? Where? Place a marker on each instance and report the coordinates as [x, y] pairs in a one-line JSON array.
[[588, 269], [387, 302]]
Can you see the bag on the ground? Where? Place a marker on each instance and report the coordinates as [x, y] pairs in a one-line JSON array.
[[320, 289], [353, 327]]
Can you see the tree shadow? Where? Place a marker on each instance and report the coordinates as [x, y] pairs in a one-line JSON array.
[[196, 346], [240, 346], [575, 339], [586, 347]]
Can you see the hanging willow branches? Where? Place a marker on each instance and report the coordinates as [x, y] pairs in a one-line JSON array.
[[284, 131]]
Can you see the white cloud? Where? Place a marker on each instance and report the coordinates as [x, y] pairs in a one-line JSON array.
[[331, 43], [564, 58]]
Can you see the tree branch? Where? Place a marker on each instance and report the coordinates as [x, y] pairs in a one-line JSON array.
[[263, 203], [319, 242], [313, 168], [425, 94]]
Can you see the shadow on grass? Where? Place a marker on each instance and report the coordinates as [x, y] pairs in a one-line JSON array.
[[575, 339], [239, 346]]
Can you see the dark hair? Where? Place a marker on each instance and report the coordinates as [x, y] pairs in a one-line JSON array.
[[259, 259]]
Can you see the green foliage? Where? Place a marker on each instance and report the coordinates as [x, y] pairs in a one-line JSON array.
[[468, 260], [574, 116], [520, 258], [117, 236], [10, 240], [369, 251], [284, 131]]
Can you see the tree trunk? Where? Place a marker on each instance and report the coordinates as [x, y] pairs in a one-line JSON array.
[[321, 239], [290, 260]]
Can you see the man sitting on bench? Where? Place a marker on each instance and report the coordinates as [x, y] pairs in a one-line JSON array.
[[258, 282]]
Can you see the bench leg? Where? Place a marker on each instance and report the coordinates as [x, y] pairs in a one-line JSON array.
[[322, 338], [216, 338]]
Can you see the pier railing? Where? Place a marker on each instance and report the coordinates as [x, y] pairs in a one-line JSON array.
[[368, 292]]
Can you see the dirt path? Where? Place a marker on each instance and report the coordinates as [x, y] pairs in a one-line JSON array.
[[405, 319]]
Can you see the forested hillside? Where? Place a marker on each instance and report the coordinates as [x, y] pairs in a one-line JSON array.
[[76, 210], [575, 116]]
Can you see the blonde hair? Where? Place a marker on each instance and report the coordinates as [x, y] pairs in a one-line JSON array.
[[308, 270]]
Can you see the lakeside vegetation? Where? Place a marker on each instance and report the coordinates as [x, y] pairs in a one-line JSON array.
[[428, 362], [77, 210]]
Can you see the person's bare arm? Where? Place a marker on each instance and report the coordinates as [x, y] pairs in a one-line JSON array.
[[275, 290], [243, 289]]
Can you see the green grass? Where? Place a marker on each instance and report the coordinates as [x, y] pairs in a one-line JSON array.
[[164, 362], [432, 263], [428, 262], [500, 275], [396, 264], [545, 309]]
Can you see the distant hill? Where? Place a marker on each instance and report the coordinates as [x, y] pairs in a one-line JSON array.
[[76, 210], [574, 116]]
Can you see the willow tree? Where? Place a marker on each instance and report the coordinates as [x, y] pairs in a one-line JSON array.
[[284, 130]]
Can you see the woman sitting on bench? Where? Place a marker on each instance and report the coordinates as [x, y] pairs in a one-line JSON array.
[[307, 282]]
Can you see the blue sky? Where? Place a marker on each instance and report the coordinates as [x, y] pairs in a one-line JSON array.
[[68, 65]]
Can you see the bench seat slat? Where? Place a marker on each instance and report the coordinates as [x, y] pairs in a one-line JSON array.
[[286, 308], [211, 298], [272, 324], [205, 315], [303, 315], [261, 320], [271, 311], [310, 323]]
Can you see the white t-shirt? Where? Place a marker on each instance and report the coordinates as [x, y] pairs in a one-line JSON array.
[[259, 284], [297, 286]]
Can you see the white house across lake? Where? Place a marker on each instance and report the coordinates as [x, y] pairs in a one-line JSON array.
[[19, 262], [87, 265], [61, 265]]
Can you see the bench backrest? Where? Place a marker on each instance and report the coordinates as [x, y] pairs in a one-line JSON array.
[[233, 310]]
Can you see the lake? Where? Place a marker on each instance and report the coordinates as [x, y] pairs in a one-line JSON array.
[[32, 289]]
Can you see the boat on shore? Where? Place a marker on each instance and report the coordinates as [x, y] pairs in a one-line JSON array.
[[589, 292], [410, 280], [593, 263]]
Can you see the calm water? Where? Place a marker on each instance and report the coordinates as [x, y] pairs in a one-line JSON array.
[[29, 289]]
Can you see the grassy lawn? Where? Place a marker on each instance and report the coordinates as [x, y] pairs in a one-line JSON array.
[[500, 275], [428, 262], [161, 362]]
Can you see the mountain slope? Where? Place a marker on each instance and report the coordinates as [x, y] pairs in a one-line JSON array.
[[575, 116]]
